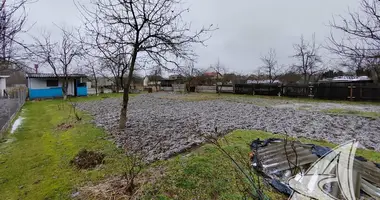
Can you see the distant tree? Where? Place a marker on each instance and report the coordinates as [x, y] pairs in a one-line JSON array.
[[270, 68], [219, 70], [290, 77], [189, 73], [359, 46], [332, 74], [156, 75], [309, 60], [91, 67]]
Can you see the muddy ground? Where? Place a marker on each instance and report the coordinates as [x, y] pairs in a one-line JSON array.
[[162, 127]]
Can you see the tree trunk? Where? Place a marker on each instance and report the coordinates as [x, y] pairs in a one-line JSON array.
[[124, 108], [64, 89], [96, 86]]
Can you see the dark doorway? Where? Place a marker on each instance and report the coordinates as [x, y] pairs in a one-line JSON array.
[[75, 88]]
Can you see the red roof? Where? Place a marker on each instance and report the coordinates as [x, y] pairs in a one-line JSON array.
[[210, 73]]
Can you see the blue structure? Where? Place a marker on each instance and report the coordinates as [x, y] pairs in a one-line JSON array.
[[44, 86]]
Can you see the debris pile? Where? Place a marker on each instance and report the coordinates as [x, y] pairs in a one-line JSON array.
[[87, 159], [280, 160]]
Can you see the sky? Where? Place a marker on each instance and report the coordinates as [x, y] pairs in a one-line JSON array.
[[247, 29]]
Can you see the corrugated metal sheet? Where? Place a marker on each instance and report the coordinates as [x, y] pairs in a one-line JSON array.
[[48, 75], [277, 159]]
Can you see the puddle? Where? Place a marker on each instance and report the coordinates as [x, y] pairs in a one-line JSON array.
[[16, 124]]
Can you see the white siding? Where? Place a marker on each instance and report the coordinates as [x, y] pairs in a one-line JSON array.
[[2, 86], [40, 83]]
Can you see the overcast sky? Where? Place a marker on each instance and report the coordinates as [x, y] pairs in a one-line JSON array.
[[247, 28]]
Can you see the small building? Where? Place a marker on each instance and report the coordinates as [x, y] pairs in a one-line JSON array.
[[42, 85], [3, 84]]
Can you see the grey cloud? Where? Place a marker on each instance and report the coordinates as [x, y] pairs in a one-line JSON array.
[[247, 28]]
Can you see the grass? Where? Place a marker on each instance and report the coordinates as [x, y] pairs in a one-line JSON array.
[[339, 111], [214, 96], [100, 97], [36, 164], [197, 97], [207, 174]]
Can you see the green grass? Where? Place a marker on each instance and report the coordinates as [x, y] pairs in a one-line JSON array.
[[214, 96], [100, 97], [338, 111], [36, 164], [207, 174]]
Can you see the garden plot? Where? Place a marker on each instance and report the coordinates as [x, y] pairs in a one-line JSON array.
[[164, 127]]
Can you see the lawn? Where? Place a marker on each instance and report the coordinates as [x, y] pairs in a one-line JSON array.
[[35, 164], [228, 96], [338, 111]]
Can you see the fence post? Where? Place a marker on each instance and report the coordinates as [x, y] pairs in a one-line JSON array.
[[351, 87]]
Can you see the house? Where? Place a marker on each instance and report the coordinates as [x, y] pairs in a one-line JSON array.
[[3, 84], [42, 85]]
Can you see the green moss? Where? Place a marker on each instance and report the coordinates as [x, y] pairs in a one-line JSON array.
[[36, 164], [373, 115]]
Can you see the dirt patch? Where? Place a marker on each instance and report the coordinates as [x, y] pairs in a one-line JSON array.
[[64, 126], [117, 187], [87, 159]]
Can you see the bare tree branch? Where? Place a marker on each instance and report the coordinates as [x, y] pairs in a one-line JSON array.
[[309, 60], [148, 28], [58, 55]]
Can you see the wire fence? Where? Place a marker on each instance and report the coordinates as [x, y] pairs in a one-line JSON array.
[[11, 102]]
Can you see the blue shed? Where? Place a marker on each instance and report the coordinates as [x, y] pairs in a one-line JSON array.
[[43, 85]]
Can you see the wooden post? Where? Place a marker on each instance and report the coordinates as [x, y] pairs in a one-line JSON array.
[[351, 87]]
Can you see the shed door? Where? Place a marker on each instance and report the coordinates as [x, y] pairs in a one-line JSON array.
[[70, 88]]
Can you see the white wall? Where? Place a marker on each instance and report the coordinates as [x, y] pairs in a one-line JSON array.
[[2, 86], [40, 83]]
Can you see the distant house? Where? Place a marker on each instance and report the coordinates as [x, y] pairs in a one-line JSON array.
[[42, 85], [3, 84], [263, 82]]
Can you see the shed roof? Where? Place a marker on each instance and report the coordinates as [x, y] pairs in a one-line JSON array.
[[49, 75]]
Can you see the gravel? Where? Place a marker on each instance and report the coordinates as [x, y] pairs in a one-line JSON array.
[[177, 125]]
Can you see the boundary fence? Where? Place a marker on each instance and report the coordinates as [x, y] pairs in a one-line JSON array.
[[331, 91], [12, 102]]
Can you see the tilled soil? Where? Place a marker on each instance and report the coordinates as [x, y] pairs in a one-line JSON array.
[[164, 127]]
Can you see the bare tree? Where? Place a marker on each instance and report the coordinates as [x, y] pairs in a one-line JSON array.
[[360, 43], [219, 70], [189, 72], [92, 67], [156, 75], [59, 55], [12, 23], [149, 28], [309, 61], [271, 67]]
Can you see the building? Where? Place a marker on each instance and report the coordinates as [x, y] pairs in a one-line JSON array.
[[3, 84], [42, 85]]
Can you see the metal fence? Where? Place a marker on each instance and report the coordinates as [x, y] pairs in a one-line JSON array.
[[10, 104], [331, 91]]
